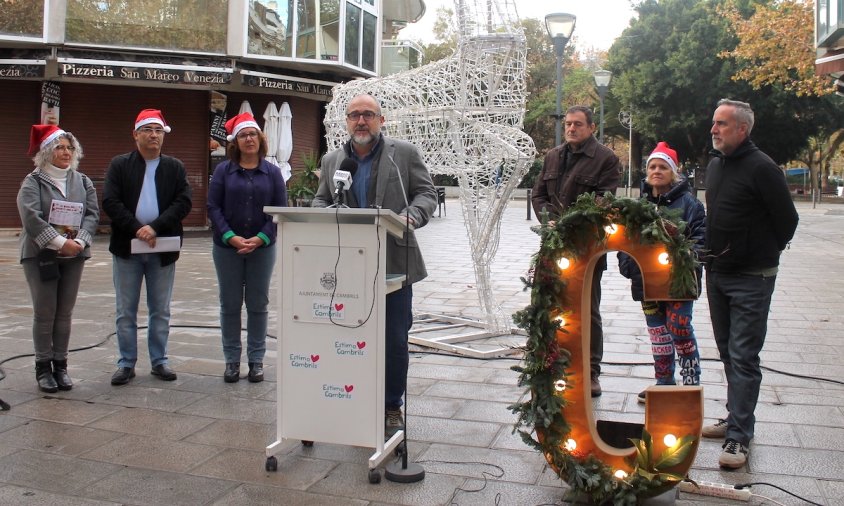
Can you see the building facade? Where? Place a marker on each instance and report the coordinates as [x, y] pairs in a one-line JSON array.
[[829, 40], [91, 65]]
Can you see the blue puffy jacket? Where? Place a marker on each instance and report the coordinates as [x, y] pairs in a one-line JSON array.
[[680, 196]]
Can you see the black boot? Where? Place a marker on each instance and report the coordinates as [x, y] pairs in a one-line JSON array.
[[256, 372], [232, 374], [44, 375], [63, 381]]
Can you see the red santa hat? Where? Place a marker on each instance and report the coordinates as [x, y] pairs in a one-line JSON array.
[[41, 135], [148, 116], [664, 152], [238, 123]]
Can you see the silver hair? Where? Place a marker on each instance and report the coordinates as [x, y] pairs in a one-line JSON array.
[[743, 113], [44, 156]]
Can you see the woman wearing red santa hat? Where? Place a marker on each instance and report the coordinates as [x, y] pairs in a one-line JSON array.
[[670, 322], [59, 212], [244, 242]]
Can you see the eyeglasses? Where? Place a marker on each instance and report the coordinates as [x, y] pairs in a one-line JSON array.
[[150, 130], [366, 115], [247, 135], [62, 147]]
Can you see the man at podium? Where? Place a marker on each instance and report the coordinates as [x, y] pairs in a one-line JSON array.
[[375, 171]]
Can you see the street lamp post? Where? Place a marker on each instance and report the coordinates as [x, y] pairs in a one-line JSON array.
[[560, 26], [626, 120], [602, 82]]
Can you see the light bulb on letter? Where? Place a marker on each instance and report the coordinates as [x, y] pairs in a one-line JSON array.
[[611, 229], [663, 258], [669, 440], [571, 444], [563, 263]]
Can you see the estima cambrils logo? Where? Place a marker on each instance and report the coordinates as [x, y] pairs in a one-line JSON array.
[[305, 361], [328, 281], [337, 391]]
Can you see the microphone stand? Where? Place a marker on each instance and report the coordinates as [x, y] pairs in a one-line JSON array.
[[404, 472], [340, 203]]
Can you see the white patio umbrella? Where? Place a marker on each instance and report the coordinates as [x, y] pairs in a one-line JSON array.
[[245, 107], [271, 131], [285, 141]]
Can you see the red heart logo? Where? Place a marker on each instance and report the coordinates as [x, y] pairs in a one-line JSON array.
[[338, 307], [361, 345], [314, 358], [349, 388]]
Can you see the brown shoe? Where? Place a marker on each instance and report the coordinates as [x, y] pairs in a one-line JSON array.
[[596, 386]]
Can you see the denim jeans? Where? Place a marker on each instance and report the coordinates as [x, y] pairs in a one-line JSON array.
[[672, 335], [52, 305], [738, 307], [244, 277], [399, 319], [128, 274]]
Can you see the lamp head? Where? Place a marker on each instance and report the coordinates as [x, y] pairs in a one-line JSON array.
[[560, 26], [602, 78]]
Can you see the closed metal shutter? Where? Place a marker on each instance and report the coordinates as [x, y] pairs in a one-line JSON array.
[[20, 102], [103, 117]]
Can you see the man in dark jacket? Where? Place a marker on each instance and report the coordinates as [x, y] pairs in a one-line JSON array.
[[147, 196], [580, 165], [750, 220]]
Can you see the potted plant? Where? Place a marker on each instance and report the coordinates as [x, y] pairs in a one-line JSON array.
[[304, 183]]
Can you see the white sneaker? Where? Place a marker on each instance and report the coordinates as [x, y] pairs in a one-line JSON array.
[[715, 431], [734, 455]]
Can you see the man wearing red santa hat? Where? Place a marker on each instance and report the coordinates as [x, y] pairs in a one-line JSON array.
[[147, 196]]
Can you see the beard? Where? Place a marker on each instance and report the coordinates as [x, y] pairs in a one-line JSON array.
[[362, 137]]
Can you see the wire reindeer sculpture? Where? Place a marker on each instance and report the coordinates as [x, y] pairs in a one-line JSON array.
[[465, 114]]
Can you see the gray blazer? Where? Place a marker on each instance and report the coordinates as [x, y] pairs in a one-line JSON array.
[[34, 199], [389, 191]]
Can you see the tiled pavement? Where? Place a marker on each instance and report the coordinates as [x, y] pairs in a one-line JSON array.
[[200, 441]]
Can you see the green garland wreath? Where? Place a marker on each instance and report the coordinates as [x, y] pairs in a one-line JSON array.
[[546, 362]]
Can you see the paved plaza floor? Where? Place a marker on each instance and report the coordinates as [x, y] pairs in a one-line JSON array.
[[198, 440]]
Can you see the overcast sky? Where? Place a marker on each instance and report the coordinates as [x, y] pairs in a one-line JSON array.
[[598, 23]]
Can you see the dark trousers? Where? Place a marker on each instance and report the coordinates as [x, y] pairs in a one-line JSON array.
[[398, 320], [596, 343], [738, 307]]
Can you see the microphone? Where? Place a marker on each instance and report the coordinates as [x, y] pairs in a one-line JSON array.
[[343, 179]]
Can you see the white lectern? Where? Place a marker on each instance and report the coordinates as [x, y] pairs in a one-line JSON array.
[[331, 279]]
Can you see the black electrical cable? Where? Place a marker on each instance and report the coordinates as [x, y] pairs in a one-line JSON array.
[[769, 369], [484, 474], [748, 485], [4, 406]]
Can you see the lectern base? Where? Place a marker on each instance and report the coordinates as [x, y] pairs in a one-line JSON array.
[[413, 473]]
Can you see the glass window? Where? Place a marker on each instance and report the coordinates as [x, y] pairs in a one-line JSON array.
[[306, 29], [184, 25], [369, 36], [25, 18], [353, 14], [269, 27], [329, 21]]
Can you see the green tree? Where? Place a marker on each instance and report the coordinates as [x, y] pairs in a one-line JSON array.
[[666, 68], [776, 46]]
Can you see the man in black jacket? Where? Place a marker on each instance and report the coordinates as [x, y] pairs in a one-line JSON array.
[[750, 220], [579, 165], [147, 196]]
